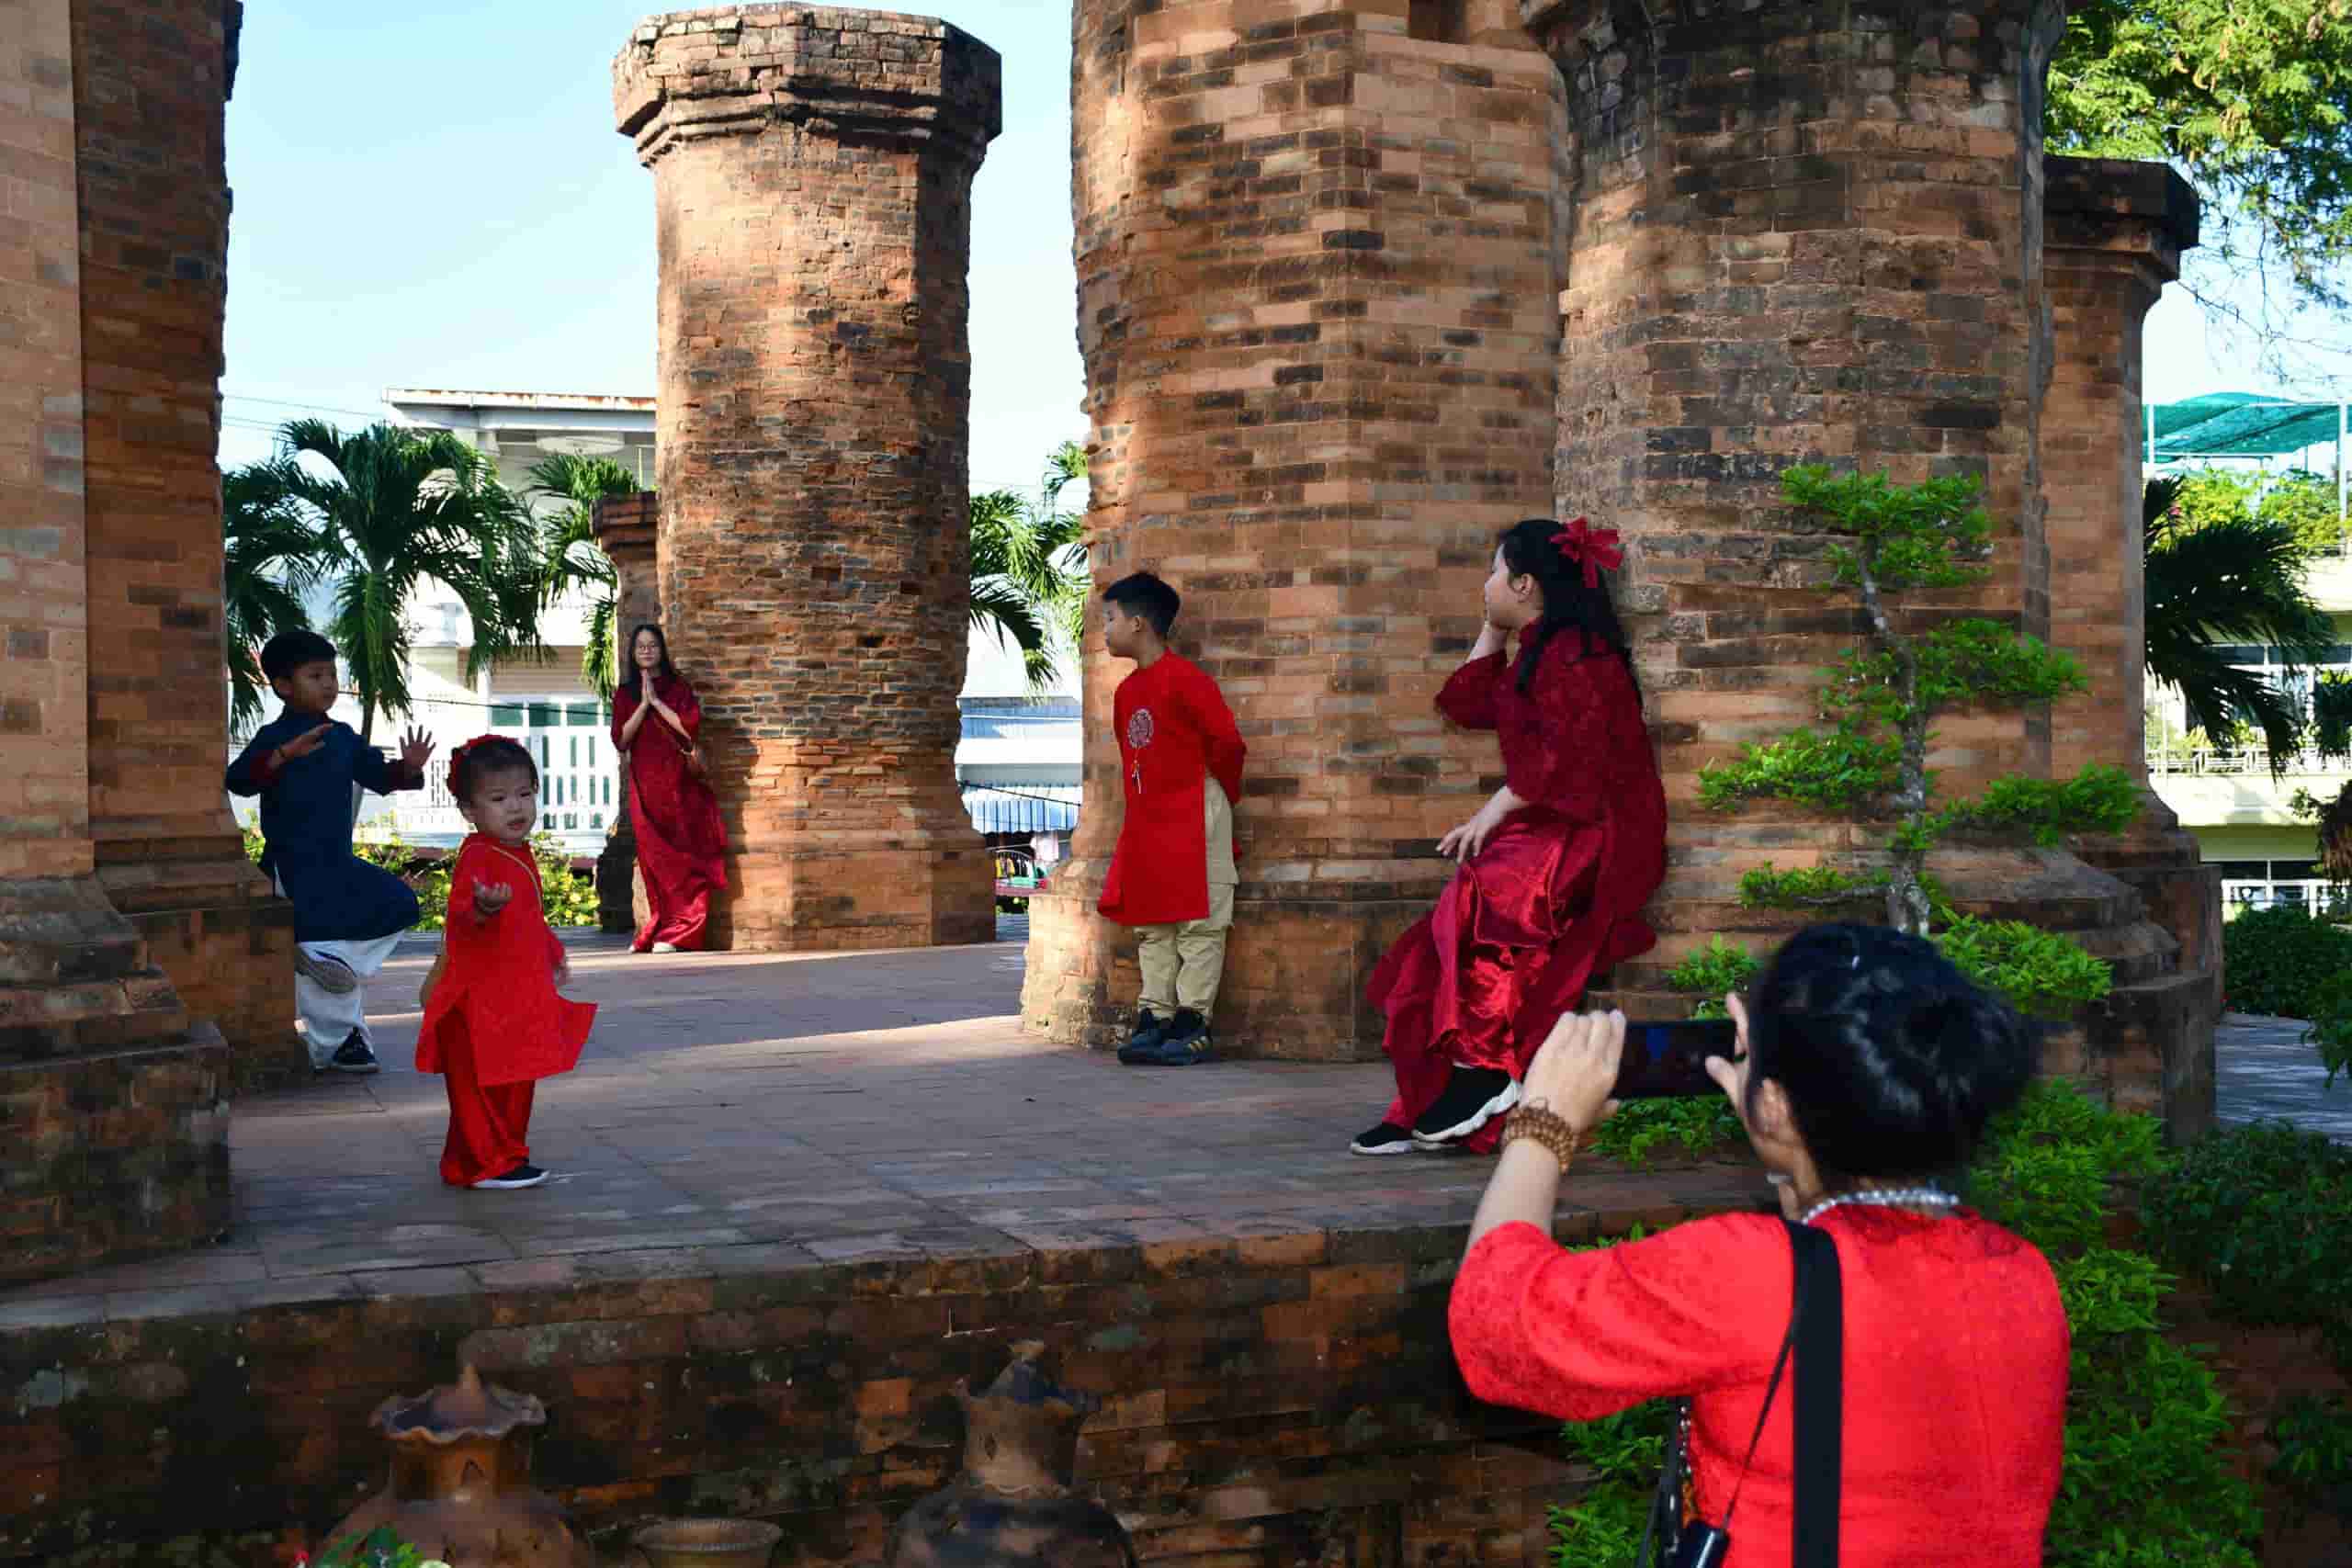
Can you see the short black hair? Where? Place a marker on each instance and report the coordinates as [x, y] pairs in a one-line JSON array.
[[289, 651], [1141, 593], [478, 760], [1892, 1060]]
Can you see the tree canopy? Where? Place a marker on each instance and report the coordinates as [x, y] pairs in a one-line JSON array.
[[2252, 100]]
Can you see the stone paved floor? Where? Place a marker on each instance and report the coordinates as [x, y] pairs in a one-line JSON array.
[[2263, 1066], [851, 1107]]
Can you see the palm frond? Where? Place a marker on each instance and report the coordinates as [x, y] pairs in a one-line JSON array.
[[2234, 580]]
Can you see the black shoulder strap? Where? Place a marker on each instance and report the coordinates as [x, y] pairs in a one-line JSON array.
[[1820, 1393]]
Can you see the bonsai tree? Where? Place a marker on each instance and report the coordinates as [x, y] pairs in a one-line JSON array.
[[1869, 755]]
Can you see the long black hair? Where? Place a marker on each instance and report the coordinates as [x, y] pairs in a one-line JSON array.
[[668, 671], [1528, 551], [1892, 1060]]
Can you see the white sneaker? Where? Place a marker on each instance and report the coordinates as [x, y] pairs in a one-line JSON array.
[[665, 947], [521, 1176], [331, 976]]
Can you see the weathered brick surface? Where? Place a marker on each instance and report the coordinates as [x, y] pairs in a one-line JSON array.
[[1317, 255], [44, 681], [1272, 1399], [812, 172], [114, 1155]]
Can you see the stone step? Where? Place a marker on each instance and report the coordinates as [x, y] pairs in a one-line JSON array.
[[61, 930]]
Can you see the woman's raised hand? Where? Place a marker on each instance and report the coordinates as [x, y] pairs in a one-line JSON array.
[[1466, 840], [1577, 1067]]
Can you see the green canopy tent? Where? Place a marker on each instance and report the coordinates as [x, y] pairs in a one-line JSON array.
[[2245, 425]]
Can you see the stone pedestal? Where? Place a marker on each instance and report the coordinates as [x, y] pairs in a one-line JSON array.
[[1316, 258], [812, 172], [627, 529], [111, 1102]]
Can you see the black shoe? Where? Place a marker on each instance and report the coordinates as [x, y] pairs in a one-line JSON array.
[[1148, 1033], [1186, 1044], [331, 976], [1473, 1096], [354, 1055], [1388, 1138], [521, 1176]]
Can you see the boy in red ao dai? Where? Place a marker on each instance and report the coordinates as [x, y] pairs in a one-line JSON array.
[[493, 1021], [1171, 876]]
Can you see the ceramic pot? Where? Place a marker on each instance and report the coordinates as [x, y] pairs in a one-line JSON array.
[[707, 1544], [460, 1487], [1014, 1506]]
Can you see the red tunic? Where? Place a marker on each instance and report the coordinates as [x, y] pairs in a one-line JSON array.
[[1555, 896], [1955, 1370], [680, 842], [1175, 734], [498, 981]]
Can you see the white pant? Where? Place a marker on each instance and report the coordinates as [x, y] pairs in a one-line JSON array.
[[328, 1020]]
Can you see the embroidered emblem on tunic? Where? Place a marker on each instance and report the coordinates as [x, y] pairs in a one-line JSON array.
[[1139, 729]]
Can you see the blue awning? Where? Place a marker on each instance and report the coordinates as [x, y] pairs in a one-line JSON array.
[[1033, 809]]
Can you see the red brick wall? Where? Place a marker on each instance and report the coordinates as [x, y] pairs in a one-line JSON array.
[[815, 387], [44, 701], [1315, 274]]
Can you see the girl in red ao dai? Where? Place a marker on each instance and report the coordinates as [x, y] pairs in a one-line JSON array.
[[494, 1022]]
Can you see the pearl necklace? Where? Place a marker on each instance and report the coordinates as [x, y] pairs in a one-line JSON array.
[[1891, 1197]]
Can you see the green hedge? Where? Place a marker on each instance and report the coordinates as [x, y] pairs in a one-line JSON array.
[[2280, 961]]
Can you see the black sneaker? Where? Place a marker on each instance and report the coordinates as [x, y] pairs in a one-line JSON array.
[[331, 976], [1473, 1096], [1388, 1138], [521, 1176], [1148, 1033], [354, 1055], [1186, 1044]]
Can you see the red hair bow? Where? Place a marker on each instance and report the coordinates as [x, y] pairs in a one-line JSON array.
[[1595, 547], [459, 756]]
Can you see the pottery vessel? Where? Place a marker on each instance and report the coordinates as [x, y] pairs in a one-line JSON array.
[[460, 1487], [707, 1544], [1014, 1506]]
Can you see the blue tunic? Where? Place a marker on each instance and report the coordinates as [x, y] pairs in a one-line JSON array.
[[306, 826]]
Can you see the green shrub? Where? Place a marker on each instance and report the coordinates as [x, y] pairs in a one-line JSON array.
[[2281, 961], [2043, 973], [2262, 1214], [1712, 972], [2314, 1437], [1700, 1125]]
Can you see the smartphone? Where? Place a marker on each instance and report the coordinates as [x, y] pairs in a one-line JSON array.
[[1664, 1061]]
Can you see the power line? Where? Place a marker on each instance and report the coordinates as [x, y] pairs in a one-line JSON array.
[[312, 408]]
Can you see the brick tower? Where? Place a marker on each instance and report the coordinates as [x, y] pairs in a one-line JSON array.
[[112, 1102], [812, 172], [1316, 276]]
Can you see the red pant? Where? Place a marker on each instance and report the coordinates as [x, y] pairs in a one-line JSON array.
[[488, 1124]]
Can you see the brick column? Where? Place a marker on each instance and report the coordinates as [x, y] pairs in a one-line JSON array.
[[1316, 253], [111, 1104], [1808, 232], [2115, 232], [812, 174], [628, 528], [154, 260]]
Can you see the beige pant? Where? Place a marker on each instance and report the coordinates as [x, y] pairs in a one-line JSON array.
[[1181, 963]]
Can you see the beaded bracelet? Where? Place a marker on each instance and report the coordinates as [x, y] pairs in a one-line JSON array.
[[1544, 1126]]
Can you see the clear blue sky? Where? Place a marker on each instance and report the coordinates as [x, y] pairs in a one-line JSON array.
[[434, 196]]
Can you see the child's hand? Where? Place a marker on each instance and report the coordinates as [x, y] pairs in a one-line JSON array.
[[305, 743], [416, 749], [563, 974], [489, 897]]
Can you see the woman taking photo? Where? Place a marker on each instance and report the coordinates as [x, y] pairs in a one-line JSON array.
[[1867, 1069], [680, 843], [1556, 865]]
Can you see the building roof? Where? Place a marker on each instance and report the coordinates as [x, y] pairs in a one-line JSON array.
[[583, 402], [2239, 424]]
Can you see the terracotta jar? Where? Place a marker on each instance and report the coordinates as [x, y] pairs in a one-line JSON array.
[[1015, 1507], [460, 1488]]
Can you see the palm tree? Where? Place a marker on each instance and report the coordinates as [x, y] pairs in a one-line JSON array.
[[569, 557], [395, 509], [1029, 571], [2234, 580], [270, 560]]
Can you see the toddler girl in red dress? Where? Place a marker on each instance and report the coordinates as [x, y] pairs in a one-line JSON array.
[[493, 1021]]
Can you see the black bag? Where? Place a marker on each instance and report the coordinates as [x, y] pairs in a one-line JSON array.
[[1818, 1335]]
